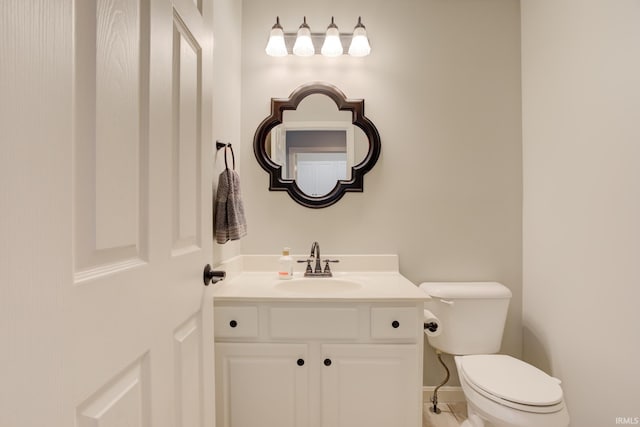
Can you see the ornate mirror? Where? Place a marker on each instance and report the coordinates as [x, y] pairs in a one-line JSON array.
[[316, 145]]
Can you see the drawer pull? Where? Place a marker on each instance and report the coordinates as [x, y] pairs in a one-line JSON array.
[[395, 324], [233, 323], [300, 362], [327, 362]]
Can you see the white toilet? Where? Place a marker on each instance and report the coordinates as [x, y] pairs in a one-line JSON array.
[[500, 390]]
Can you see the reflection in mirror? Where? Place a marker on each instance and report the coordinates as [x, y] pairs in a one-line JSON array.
[[317, 145]]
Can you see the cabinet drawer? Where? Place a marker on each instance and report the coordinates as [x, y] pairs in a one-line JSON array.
[[236, 322], [312, 323], [393, 323]]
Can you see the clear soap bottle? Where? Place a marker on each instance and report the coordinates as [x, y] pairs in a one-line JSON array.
[[285, 265]]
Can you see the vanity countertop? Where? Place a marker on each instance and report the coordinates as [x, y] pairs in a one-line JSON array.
[[388, 286], [376, 284]]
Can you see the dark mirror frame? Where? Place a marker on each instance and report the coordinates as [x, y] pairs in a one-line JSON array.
[[278, 107]]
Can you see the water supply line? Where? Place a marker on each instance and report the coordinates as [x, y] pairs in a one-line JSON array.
[[434, 398]]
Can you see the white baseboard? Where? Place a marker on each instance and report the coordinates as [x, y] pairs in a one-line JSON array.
[[446, 394]]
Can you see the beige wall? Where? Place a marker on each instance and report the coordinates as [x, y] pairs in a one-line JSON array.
[[442, 86], [227, 34], [581, 134]]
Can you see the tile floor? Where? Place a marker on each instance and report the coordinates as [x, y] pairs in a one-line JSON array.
[[452, 415]]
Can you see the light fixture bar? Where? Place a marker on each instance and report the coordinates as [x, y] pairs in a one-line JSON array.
[[282, 43]]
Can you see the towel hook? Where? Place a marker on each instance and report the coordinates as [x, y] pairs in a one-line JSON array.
[[220, 145]]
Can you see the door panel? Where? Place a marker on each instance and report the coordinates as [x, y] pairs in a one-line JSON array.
[[101, 295], [125, 401], [188, 375], [110, 124], [136, 340], [186, 138]]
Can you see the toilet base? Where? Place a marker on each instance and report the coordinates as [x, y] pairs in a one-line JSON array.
[[474, 421]]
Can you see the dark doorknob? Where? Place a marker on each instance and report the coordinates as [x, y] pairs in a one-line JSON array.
[[212, 276]]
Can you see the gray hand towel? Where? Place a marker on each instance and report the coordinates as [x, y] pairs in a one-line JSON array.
[[229, 221]]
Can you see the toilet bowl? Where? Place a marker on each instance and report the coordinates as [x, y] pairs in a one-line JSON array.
[[503, 391], [500, 390]]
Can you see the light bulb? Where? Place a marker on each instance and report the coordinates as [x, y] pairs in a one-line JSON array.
[[359, 42], [304, 45], [276, 46], [332, 45]]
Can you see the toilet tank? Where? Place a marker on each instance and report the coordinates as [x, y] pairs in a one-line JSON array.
[[472, 315]]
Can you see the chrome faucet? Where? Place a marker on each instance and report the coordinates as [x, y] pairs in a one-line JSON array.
[[317, 271]]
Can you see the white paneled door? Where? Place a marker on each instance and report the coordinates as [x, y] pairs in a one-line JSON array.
[[106, 213]]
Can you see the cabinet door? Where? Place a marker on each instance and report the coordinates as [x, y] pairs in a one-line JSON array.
[[262, 385], [370, 385]]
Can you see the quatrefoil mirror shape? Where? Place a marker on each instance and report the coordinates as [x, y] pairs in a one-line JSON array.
[[317, 145]]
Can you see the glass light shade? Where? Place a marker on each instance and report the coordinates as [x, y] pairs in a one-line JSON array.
[[332, 45], [359, 43], [276, 45], [304, 45]]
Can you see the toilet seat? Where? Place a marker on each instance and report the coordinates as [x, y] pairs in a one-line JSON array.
[[512, 382]]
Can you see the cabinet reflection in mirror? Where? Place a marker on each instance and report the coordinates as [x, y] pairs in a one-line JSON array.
[[317, 145]]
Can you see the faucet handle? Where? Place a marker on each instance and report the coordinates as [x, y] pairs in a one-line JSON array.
[[326, 265], [308, 261]]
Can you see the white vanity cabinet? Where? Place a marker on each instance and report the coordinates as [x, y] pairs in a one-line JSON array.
[[261, 384], [370, 385], [318, 364]]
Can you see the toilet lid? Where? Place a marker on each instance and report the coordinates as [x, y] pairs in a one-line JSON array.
[[511, 379]]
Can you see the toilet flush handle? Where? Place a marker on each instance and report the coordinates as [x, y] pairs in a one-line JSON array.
[[446, 301]]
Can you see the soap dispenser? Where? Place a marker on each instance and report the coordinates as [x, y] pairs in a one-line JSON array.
[[285, 265]]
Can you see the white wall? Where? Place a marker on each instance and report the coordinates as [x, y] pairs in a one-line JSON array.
[[581, 115], [442, 86], [227, 34]]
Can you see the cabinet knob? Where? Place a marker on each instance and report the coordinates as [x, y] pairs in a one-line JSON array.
[[327, 362], [300, 362], [395, 324], [233, 323]]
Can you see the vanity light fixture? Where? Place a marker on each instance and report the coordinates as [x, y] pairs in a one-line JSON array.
[[359, 42], [276, 45], [305, 43], [332, 45]]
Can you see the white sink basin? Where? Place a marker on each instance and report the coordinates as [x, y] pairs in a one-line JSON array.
[[318, 285]]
